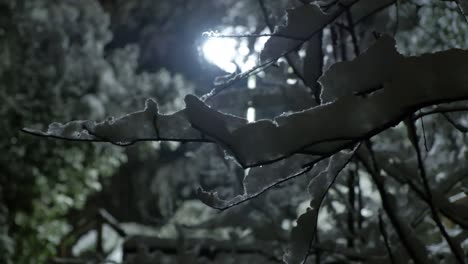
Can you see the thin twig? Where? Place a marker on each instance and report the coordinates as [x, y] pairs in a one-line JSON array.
[[334, 41], [252, 35], [460, 11], [397, 17], [303, 171], [424, 135], [342, 44], [360, 205], [352, 32], [351, 182], [217, 89], [456, 250], [405, 177], [389, 207], [441, 109], [383, 232], [318, 251], [456, 125]]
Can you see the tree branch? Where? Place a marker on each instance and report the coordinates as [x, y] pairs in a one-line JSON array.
[[271, 27], [403, 174], [416, 250], [456, 125], [440, 109], [383, 232], [456, 249]]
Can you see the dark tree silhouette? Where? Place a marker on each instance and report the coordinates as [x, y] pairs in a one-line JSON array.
[[363, 123]]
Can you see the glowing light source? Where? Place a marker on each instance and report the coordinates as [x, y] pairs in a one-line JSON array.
[[250, 114], [221, 52], [229, 53], [251, 82]]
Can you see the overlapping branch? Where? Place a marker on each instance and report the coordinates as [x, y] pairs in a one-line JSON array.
[[415, 82]]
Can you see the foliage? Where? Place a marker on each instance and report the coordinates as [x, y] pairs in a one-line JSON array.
[[38, 52], [54, 65]]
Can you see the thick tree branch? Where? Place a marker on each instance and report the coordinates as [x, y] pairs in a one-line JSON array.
[[405, 90]]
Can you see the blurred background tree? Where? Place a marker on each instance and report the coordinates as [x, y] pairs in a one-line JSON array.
[[64, 60]]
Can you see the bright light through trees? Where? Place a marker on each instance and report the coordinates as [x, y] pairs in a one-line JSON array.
[[233, 53], [221, 52]]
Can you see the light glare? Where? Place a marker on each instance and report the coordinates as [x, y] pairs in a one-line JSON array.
[[221, 52], [250, 114], [231, 54]]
